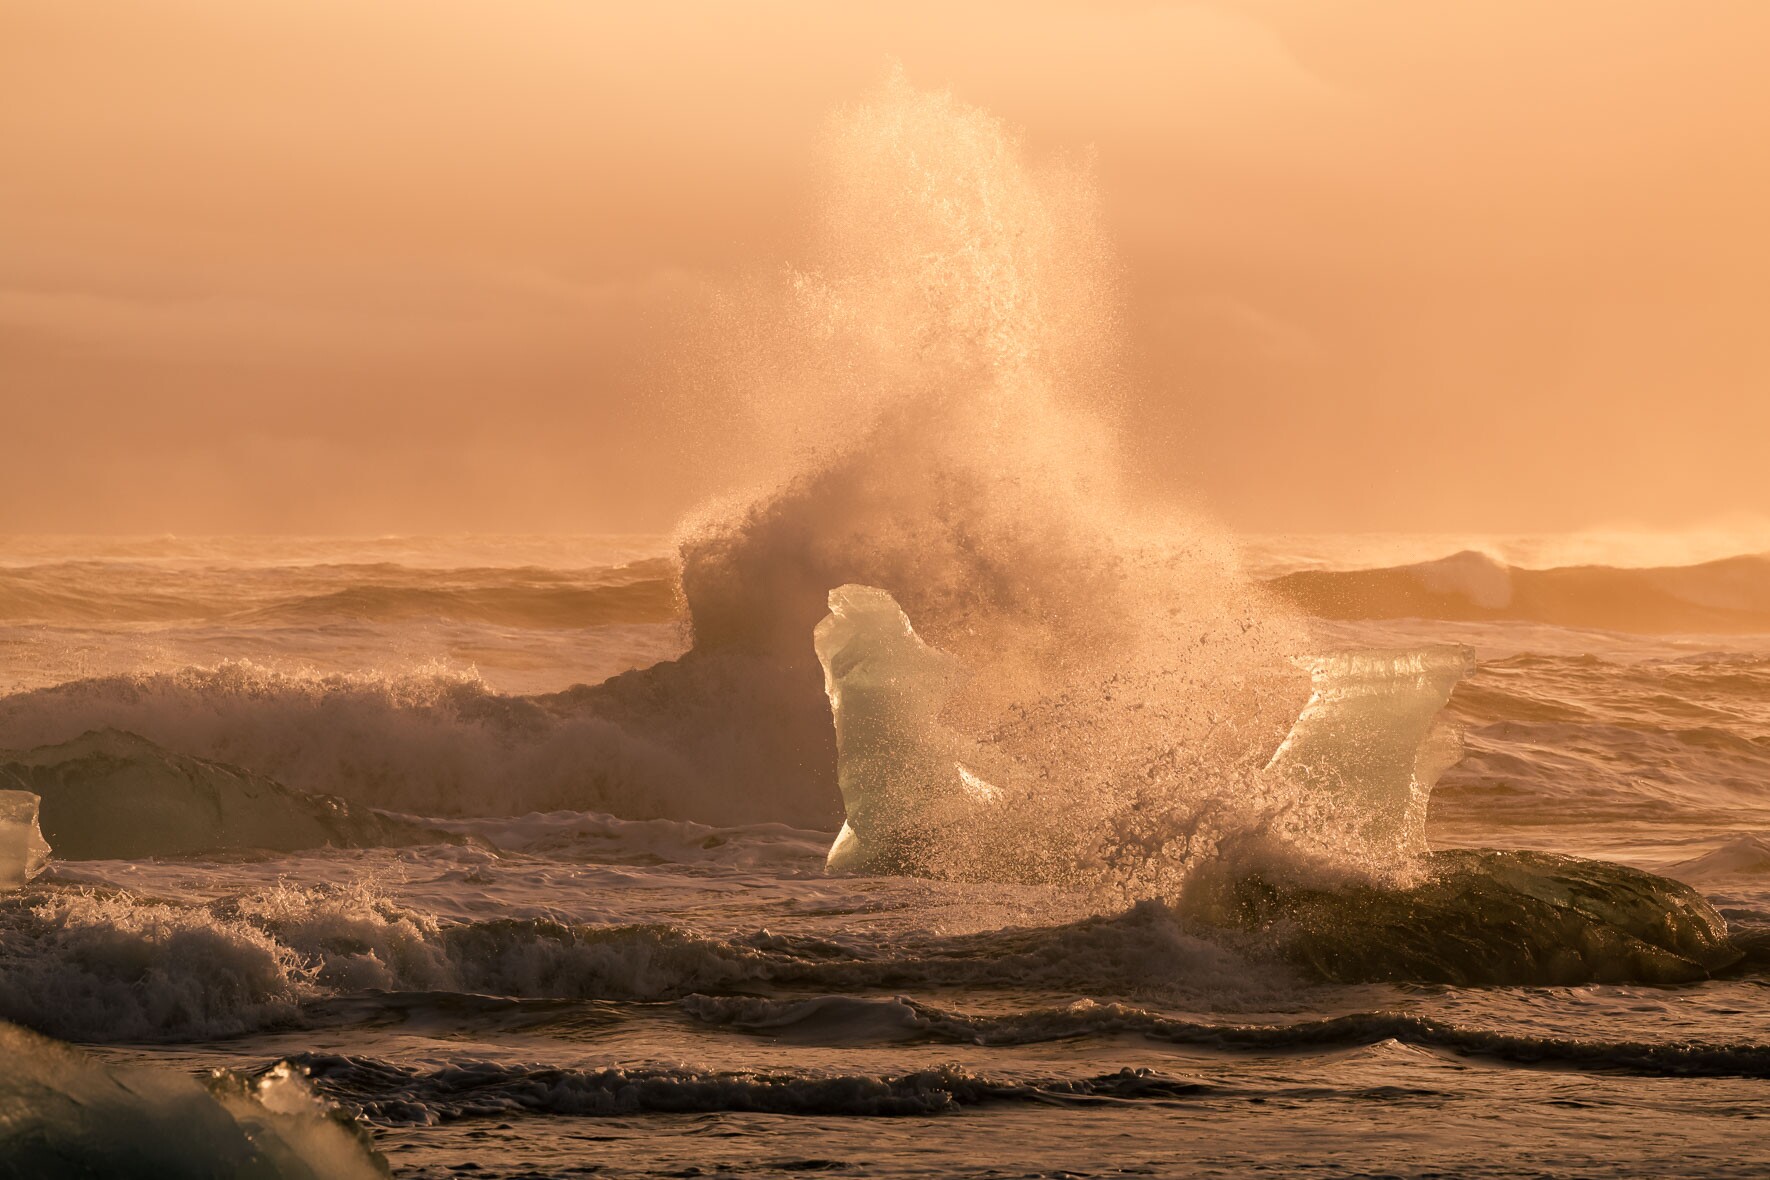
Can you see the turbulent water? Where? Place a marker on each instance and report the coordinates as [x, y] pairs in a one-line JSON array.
[[543, 985], [508, 856]]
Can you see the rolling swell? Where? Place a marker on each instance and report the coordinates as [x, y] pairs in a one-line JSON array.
[[84, 965], [650, 600], [88, 966], [1730, 596], [86, 593], [849, 1020], [390, 1094]]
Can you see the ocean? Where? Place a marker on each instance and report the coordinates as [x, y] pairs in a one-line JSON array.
[[544, 933]]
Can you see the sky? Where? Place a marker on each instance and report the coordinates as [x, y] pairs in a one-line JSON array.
[[440, 265]]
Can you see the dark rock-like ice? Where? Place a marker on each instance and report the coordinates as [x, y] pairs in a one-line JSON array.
[[64, 1115]]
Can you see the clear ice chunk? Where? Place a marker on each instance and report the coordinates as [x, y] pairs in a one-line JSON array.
[[897, 764], [1371, 738], [23, 851]]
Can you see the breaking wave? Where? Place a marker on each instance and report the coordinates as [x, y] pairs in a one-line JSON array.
[[89, 965], [95, 966], [111, 795]]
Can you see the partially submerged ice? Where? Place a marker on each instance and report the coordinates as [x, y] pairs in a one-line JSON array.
[[1361, 758], [898, 766], [23, 851], [66, 1114], [1370, 739], [1368, 745]]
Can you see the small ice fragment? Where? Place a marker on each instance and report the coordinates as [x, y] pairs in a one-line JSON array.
[[23, 851]]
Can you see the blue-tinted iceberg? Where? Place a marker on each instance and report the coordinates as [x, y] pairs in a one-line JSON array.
[[23, 850]]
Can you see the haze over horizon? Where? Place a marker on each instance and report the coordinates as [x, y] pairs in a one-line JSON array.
[[444, 267]]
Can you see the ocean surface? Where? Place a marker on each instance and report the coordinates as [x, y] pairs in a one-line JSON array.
[[562, 975]]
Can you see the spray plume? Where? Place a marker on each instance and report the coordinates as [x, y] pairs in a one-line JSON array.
[[939, 392]]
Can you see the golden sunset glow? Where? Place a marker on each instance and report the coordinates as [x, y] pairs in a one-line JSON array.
[[981, 589], [424, 267]]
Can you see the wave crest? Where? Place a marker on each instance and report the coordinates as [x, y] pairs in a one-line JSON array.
[[1728, 596]]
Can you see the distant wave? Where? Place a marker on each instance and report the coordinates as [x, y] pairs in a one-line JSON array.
[[1731, 596], [91, 593], [1728, 596], [650, 601]]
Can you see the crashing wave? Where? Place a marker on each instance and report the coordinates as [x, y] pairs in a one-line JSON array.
[[929, 398]]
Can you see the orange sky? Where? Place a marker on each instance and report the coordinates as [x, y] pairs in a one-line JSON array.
[[429, 265]]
